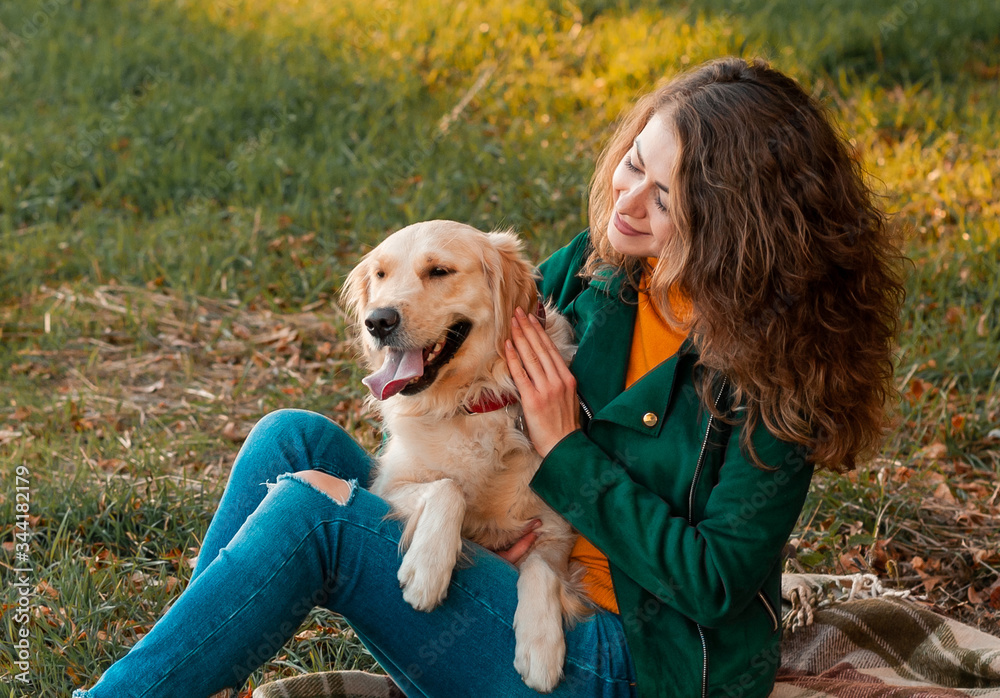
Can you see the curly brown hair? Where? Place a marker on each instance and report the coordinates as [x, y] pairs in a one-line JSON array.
[[793, 272]]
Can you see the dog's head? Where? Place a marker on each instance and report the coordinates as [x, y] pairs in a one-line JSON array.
[[433, 304]]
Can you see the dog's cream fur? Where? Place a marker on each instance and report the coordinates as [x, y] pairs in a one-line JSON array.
[[450, 474]]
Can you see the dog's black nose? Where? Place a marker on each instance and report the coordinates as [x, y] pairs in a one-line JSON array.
[[381, 322]]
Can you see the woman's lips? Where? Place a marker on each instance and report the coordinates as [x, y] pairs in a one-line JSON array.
[[624, 228]]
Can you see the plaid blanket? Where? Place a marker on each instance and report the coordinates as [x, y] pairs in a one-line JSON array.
[[331, 684], [868, 648], [887, 647]]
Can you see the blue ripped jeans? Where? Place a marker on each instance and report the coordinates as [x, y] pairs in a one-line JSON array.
[[273, 553]]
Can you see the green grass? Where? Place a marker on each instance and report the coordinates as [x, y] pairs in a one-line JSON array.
[[183, 186]]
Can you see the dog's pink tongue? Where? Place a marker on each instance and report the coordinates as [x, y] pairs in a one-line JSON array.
[[398, 369]]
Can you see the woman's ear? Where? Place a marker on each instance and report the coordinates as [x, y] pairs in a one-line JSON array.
[[511, 279]]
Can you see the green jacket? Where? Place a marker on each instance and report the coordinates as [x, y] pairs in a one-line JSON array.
[[692, 530]]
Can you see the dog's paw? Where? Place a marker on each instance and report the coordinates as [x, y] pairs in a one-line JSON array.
[[539, 652], [424, 579]]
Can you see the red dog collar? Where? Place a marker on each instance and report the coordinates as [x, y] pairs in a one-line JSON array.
[[491, 402]]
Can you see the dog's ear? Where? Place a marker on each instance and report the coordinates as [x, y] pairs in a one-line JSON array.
[[354, 293], [511, 279]]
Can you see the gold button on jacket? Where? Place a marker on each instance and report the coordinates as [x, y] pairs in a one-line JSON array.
[[649, 419]]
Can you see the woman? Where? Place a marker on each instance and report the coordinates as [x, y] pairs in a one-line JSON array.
[[735, 304]]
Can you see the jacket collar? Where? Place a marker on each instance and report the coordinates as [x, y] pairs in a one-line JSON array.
[[602, 358], [611, 282]]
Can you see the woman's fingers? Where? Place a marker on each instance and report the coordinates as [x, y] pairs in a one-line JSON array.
[[516, 368], [544, 382], [514, 553], [538, 353], [560, 366], [536, 365], [532, 356]]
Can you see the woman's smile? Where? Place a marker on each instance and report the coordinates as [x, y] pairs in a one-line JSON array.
[[624, 228]]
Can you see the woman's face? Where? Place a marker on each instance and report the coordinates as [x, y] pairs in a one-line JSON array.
[[640, 224]]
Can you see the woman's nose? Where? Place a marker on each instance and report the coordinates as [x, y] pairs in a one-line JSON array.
[[630, 202]]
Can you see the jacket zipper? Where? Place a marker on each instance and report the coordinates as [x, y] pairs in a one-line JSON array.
[[586, 408], [694, 484], [770, 610]]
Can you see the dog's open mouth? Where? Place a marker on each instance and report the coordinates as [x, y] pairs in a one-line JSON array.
[[408, 371]]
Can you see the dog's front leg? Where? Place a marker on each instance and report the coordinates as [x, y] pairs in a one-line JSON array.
[[435, 534], [540, 644]]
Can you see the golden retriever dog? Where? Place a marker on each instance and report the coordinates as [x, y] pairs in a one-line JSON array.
[[433, 304]]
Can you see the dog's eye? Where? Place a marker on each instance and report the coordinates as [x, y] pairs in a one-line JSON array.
[[440, 271], [380, 274]]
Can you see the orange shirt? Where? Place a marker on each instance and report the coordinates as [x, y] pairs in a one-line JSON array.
[[653, 341]]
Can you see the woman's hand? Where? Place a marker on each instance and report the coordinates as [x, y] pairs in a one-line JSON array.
[[544, 381], [519, 549]]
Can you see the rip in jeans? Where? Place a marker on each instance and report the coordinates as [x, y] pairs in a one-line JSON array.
[[352, 483]]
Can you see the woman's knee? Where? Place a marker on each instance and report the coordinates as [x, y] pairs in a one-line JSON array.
[[292, 440], [291, 425]]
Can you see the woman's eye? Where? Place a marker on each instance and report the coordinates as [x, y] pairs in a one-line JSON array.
[[629, 166], [659, 205], [440, 271]]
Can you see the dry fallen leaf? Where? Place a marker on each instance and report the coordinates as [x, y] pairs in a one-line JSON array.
[[935, 451], [234, 433], [931, 581], [852, 561], [917, 388], [943, 492], [977, 597], [44, 587], [957, 422], [981, 326], [902, 473], [281, 336], [6, 436], [200, 393], [994, 592], [152, 388]]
